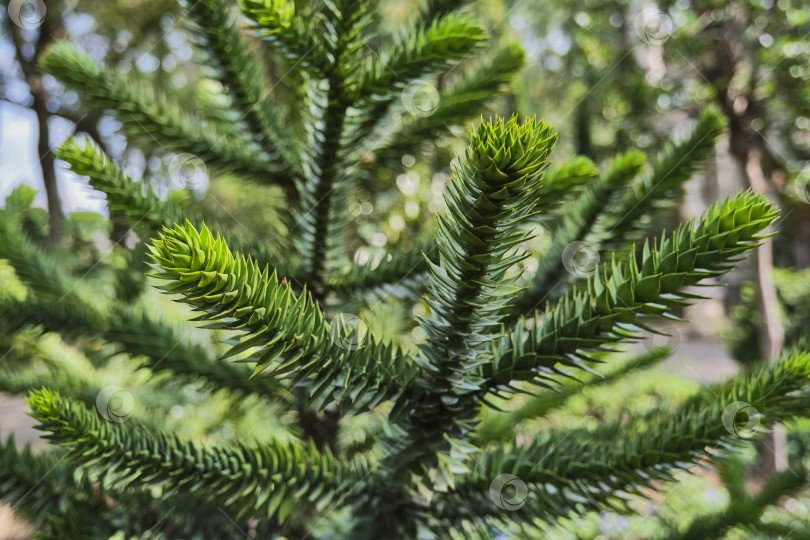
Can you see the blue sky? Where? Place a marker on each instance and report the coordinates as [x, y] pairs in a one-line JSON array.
[[19, 163]]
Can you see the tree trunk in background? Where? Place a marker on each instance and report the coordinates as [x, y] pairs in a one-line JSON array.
[[46, 159], [798, 222], [744, 148], [749, 151], [582, 138], [34, 80], [771, 333]]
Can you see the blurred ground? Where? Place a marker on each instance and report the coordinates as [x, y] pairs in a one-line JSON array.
[[14, 420]]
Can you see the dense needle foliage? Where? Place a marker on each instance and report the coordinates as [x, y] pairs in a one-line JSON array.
[[425, 466]]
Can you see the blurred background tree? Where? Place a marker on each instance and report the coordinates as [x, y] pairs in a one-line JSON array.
[[128, 33]]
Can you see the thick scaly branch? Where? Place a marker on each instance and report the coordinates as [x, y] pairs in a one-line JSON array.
[[492, 191], [319, 230]]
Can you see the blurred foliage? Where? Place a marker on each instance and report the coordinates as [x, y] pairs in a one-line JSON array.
[[793, 290]]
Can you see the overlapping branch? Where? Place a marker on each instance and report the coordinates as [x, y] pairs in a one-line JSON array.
[[621, 297], [144, 211], [255, 480], [575, 471], [577, 222]]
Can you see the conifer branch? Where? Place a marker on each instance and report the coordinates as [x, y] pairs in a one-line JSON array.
[[156, 343], [746, 510], [144, 211], [290, 332], [498, 426], [661, 185], [316, 232], [77, 310], [575, 471], [578, 221], [145, 117], [400, 274], [163, 349], [43, 489], [421, 50], [418, 52], [289, 31], [33, 366], [458, 103], [492, 190], [477, 240], [241, 73], [433, 9], [40, 271], [254, 480], [36, 485], [319, 222], [620, 298], [564, 181]]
